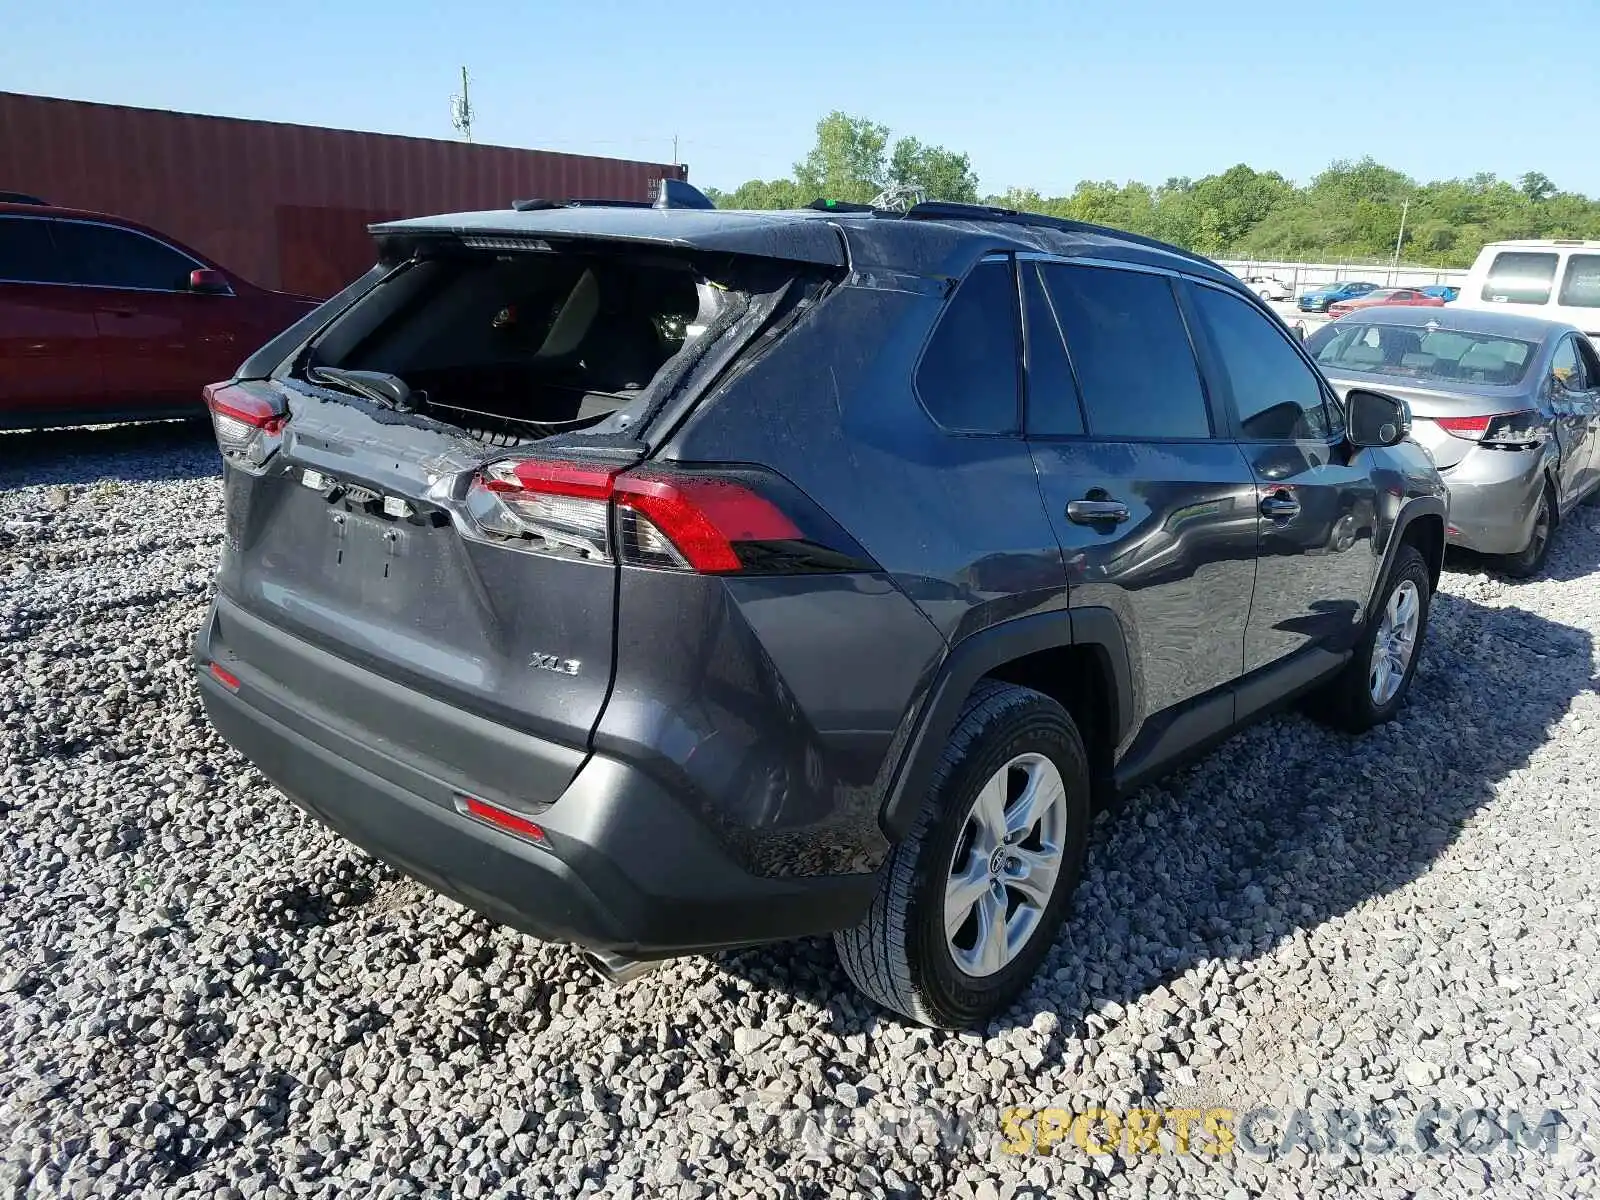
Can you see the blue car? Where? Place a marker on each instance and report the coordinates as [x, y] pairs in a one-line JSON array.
[[1332, 293], [1444, 291]]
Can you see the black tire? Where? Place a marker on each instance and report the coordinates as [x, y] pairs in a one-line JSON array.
[[899, 954], [1530, 561], [1347, 702]]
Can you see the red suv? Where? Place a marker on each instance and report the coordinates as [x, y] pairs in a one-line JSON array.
[[104, 320]]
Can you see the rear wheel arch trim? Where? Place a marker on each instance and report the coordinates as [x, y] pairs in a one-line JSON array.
[[978, 655]]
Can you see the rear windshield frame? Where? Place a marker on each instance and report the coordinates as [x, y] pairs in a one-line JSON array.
[[760, 289]]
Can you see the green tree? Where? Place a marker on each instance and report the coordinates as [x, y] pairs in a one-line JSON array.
[[1536, 186], [849, 161], [1351, 210], [938, 173]]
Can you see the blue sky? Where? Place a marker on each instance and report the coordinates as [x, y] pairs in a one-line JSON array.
[[1039, 94]]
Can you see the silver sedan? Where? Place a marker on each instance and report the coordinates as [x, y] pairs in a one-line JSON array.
[[1508, 406]]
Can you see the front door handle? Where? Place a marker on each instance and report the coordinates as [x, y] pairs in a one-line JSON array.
[[1093, 512], [1280, 506]]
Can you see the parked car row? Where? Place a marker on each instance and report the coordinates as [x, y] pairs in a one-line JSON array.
[[1342, 295]]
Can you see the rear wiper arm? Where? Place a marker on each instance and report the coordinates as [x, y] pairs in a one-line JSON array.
[[378, 386]]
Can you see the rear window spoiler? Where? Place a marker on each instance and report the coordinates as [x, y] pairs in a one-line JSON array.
[[789, 237]]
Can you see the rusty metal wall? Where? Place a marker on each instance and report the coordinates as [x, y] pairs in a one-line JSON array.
[[286, 206]]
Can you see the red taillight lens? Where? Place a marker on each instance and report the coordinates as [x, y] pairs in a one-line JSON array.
[[499, 817], [1471, 428], [248, 425], [699, 517], [1506, 430], [714, 522]]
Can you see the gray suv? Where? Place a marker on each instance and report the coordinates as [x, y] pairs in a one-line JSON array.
[[668, 580]]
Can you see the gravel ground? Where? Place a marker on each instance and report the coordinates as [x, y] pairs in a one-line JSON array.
[[203, 993]]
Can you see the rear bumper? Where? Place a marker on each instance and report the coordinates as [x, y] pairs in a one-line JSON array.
[[1494, 496], [625, 865]]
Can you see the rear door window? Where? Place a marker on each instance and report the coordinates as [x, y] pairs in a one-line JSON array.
[[1135, 364], [1520, 277], [1580, 286], [1053, 408], [970, 375], [105, 256], [1565, 367], [28, 253], [1276, 395]]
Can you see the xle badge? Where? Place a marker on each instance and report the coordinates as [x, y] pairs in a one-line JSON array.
[[550, 662]]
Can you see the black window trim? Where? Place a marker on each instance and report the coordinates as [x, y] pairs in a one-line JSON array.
[[1330, 398], [1215, 415], [1032, 263], [1577, 358], [1588, 359], [992, 256], [111, 287]]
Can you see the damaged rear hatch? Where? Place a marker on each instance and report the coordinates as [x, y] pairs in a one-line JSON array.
[[432, 494]]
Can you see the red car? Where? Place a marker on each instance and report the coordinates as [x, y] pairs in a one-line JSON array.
[[104, 320], [1385, 296]]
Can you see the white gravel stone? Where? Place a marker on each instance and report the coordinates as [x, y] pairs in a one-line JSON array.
[[203, 993]]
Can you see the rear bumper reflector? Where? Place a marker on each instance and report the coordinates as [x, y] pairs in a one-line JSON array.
[[500, 818]]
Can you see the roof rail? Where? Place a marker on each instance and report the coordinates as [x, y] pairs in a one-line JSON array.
[[944, 210]]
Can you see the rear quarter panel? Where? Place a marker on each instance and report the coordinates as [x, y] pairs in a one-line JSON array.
[[957, 523]]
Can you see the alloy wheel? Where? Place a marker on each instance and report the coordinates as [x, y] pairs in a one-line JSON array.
[[1395, 642], [1006, 863]]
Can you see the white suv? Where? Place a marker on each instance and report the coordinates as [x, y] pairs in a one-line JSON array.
[[1557, 280]]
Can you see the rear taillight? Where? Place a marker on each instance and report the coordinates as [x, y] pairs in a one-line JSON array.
[[248, 424], [741, 520], [1507, 431]]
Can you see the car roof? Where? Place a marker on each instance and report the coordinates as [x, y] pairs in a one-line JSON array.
[[55, 210], [1469, 320], [1546, 244], [916, 240]]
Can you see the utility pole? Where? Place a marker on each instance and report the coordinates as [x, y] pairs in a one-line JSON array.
[[461, 109], [675, 159], [1394, 264]]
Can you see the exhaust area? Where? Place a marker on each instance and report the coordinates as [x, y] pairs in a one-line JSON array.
[[619, 969]]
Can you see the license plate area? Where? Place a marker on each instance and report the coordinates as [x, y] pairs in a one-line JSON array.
[[369, 558]]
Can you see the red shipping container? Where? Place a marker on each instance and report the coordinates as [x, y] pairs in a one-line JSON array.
[[286, 206]]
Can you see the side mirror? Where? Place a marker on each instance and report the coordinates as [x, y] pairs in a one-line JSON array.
[[208, 282], [1374, 419]]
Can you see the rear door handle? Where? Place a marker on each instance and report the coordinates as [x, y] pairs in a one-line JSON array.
[[1280, 506], [1093, 512]]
